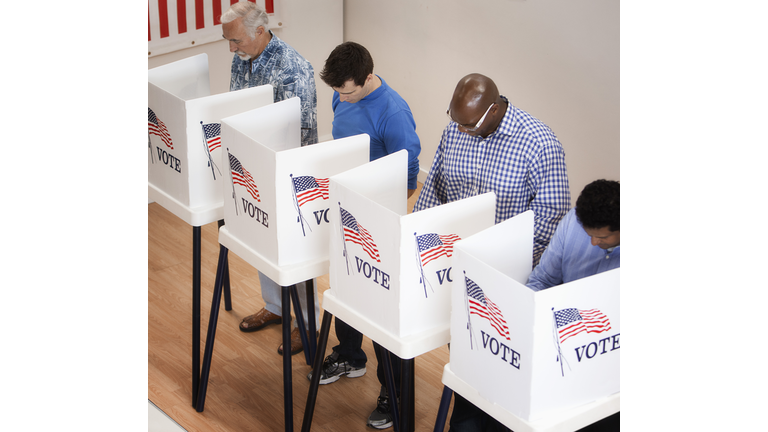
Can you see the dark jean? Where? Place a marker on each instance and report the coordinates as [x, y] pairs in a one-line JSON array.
[[350, 349]]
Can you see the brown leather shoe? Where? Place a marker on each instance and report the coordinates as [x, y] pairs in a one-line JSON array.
[[296, 345], [259, 320]]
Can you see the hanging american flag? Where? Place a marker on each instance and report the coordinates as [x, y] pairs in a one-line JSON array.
[[157, 127], [572, 321], [355, 233], [482, 306], [178, 24], [432, 246], [309, 188], [212, 133], [242, 177]]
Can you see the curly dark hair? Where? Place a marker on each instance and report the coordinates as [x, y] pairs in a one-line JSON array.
[[349, 60], [598, 205]]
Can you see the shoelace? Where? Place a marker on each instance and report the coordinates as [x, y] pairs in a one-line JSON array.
[[382, 405]]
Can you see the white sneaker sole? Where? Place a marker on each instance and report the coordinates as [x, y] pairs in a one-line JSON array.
[[352, 374]]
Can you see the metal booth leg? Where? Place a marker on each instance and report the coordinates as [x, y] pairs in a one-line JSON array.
[[389, 377], [227, 293], [442, 411], [287, 372], [317, 366], [195, 313], [308, 342], [212, 323], [407, 399]]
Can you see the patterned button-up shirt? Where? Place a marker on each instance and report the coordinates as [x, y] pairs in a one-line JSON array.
[[290, 75], [522, 162]]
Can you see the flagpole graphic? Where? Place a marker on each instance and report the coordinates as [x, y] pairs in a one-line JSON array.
[[157, 127], [211, 141], [343, 239], [482, 306], [306, 189]]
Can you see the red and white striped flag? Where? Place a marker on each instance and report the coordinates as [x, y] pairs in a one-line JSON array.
[[178, 24]]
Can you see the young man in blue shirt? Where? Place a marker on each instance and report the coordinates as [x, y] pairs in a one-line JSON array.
[[364, 103]]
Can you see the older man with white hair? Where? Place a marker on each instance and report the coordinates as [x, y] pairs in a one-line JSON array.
[[263, 58]]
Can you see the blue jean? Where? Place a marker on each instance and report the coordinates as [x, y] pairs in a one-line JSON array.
[[271, 292]]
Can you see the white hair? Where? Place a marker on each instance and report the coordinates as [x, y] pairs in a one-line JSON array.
[[252, 14]]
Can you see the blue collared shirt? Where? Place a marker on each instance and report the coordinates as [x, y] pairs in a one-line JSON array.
[[290, 75], [571, 256], [522, 162]]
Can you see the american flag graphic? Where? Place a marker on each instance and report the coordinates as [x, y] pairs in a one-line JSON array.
[[242, 177], [481, 305], [572, 321], [309, 188], [169, 18], [355, 233], [157, 127], [432, 246], [212, 132]]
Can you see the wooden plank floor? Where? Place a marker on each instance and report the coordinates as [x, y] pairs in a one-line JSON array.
[[245, 391]]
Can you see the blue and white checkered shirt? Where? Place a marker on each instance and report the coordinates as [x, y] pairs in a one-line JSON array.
[[522, 162], [290, 75]]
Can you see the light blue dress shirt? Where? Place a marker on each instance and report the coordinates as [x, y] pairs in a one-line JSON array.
[[571, 256]]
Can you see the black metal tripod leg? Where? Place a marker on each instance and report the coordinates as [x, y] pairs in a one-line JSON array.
[[195, 313], [316, 372], [287, 372], [300, 323], [227, 291], [389, 377], [212, 322], [442, 411], [407, 404]]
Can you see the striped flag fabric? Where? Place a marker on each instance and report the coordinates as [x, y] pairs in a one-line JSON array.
[[212, 132], [242, 177], [355, 233], [179, 24], [309, 188], [433, 246], [157, 127], [572, 321], [482, 306]]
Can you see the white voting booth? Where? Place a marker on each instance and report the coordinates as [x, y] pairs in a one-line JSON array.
[[276, 194], [391, 269], [532, 354], [184, 140]]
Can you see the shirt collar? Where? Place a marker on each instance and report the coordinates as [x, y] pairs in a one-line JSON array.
[[265, 55]]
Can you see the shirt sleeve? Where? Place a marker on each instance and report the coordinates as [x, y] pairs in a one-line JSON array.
[[297, 79], [552, 196], [400, 133], [549, 271], [433, 192]]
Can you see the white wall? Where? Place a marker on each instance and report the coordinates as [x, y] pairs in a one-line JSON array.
[[558, 60], [313, 28]]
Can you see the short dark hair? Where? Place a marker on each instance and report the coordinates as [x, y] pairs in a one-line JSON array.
[[349, 60], [598, 205]]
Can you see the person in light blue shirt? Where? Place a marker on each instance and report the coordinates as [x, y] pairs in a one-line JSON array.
[[263, 58], [586, 242]]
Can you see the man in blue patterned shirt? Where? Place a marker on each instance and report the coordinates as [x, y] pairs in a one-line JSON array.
[[492, 146], [262, 58]]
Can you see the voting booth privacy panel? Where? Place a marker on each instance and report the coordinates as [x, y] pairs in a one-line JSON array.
[[392, 267], [184, 137], [276, 193], [533, 353]]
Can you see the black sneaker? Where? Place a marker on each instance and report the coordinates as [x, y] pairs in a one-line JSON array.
[[333, 370], [381, 417]]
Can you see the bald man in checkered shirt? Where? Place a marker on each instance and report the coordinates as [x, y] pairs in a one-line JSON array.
[[491, 145]]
